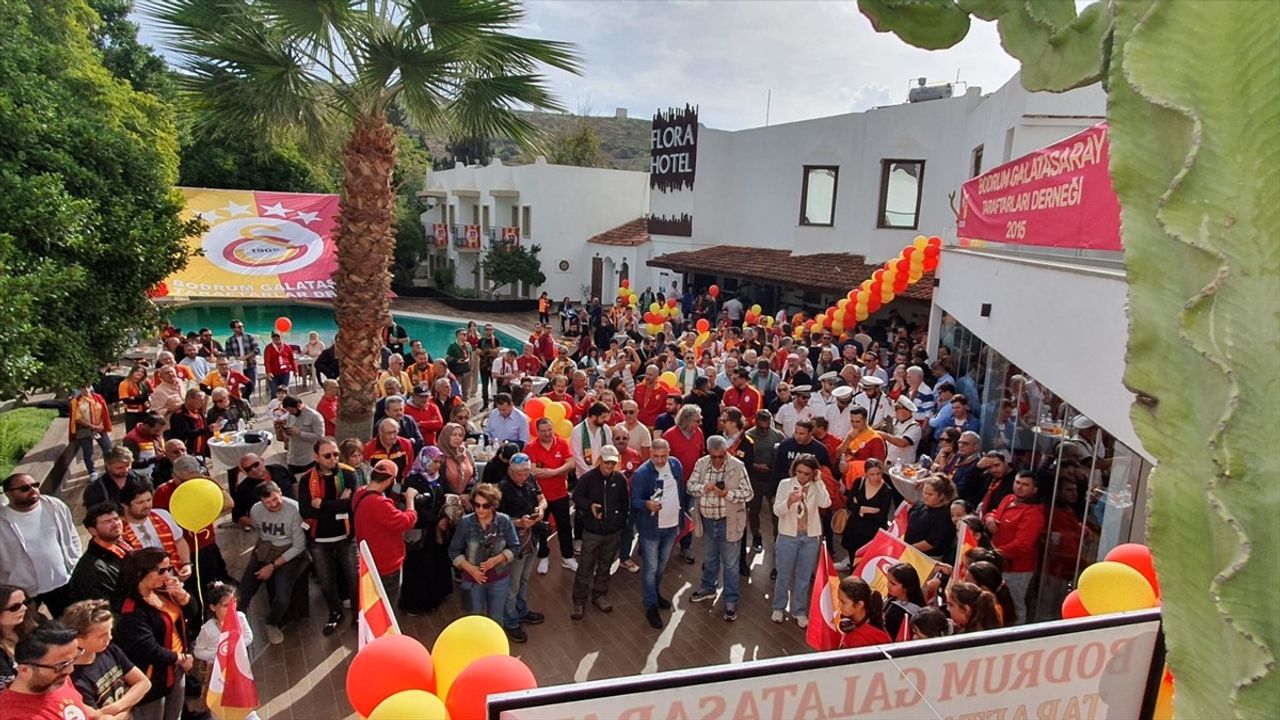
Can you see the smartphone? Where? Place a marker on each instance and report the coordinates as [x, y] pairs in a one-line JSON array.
[[720, 484]]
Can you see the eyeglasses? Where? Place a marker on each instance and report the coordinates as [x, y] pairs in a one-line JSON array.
[[23, 488], [166, 570], [16, 606], [60, 667], [329, 456], [483, 506]]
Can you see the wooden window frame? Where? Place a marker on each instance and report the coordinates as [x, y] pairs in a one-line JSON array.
[[885, 165], [804, 194]]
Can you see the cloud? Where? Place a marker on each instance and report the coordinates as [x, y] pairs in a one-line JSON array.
[[869, 96]]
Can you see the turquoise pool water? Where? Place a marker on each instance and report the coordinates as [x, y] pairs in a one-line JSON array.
[[260, 318]]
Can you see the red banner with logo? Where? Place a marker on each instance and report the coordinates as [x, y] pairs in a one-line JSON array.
[[1058, 196], [258, 245]]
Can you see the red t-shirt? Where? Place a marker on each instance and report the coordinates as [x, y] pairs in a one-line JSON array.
[[160, 501], [381, 524], [428, 419], [61, 703], [529, 364], [328, 409], [686, 450], [556, 486], [864, 635]]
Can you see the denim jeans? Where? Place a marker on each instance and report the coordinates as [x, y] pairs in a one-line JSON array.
[[518, 590], [686, 542], [653, 560], [332, 559], [86, 448], [717, 551], [490, 598], [282, 581], [796, 558], [278, 381], [246, 390]]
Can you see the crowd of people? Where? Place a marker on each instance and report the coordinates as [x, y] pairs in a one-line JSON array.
[[742, 440]]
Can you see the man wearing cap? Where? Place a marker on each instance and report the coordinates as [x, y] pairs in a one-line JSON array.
[[722, 490], [793, 372], [872, 399], [798, 409], [424, 412], [506, 423], [742, 395], [382, 525], [522, 501], [602, 500], [838, 422], [905, 438], [825, 399]]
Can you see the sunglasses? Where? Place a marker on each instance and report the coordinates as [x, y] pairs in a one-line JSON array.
[[329, 456], [166, 570], [253, 466], [16, 606], [24, 488], [62, 666], [484, 505]]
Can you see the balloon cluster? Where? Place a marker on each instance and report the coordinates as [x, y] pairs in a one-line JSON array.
[[558, 412], [881, 288], [395, 678], [755, 316], [658, 314], [1124, 581]]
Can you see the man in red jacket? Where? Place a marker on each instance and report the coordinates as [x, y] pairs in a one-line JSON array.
[[650, 397], [280, 362], [1016, 526], [742, 395], [382, 525]]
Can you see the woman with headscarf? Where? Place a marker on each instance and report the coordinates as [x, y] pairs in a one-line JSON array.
[[427, 580], [457, 469]]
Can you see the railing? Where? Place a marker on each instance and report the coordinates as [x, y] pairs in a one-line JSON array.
[[503, 237], [466, 238]]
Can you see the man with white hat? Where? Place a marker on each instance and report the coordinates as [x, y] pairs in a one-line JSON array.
[[793, 372], [824, 399], [904, 441], [838, 422], [872, 399], [798, 409]]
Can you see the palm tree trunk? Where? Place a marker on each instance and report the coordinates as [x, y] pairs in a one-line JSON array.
[[365, 237]]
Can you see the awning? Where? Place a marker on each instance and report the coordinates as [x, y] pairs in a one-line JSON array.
[[832, 273]]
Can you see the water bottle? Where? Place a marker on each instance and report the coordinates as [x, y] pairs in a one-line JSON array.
[[240, 425]]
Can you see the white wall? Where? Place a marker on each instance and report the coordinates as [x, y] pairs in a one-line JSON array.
[[748, 188], [1063, 324], [568, 206]]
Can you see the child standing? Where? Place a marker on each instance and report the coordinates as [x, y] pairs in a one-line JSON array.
[[279, 416]]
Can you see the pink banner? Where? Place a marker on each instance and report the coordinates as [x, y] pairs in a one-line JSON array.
[[1057, 196]]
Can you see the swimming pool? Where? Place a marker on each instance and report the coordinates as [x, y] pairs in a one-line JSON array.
[[260, 318]]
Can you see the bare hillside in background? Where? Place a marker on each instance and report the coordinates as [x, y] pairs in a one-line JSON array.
[[625, 142]]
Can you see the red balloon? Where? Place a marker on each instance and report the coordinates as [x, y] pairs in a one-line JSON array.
[[903, 266], [850, 315], [492, 675], [534, 409], [808, 324], [671, 302], [908, 252], [930, 263], [1137, 557], [386, 666], [283, 325], [1072, 607], [702, 323], [931, 252], [935, 242], [714, 291], [877, 276], [877, 287], [626, 283], [568, 408], [873, 304], [900, 283]]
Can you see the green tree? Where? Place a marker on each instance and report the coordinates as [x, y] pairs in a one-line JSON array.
[[88, 214], [511, 265], [580, 146], [237, 162], [1193, 105], [116, 38], [413, 162], [333, 68]]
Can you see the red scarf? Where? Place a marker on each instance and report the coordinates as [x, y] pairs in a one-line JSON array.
[[162, 531]]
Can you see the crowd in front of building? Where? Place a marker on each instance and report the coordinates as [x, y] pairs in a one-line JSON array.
[[740, 441]]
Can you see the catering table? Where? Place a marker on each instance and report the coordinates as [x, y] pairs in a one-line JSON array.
[[228, 451]]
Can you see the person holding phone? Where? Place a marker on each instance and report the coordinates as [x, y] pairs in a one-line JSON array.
[[604, 503], [523, 502], [719, 482]]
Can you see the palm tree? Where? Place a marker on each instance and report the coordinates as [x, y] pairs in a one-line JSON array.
[[328, 71]]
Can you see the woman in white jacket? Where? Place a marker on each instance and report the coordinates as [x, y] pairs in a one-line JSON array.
[[796, 505]]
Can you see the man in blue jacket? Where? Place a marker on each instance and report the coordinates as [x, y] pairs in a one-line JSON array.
[[657, 495]]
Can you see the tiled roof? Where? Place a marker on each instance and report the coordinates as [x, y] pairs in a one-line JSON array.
[[836, 273], [628, 234]]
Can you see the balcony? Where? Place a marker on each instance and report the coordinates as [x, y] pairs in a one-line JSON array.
[[466, 238], [503, 237]]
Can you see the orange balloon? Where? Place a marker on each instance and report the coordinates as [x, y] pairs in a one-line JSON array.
[[702, 324]]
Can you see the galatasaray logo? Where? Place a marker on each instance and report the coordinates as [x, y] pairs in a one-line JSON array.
[[262, 246]]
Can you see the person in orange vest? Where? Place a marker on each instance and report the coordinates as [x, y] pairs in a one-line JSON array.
[[90, 423]]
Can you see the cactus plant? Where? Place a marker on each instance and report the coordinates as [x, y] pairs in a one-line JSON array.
[[1193, 103]]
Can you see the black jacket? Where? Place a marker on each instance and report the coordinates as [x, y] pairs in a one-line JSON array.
[[611, 493], [144, 638], [96, 575]]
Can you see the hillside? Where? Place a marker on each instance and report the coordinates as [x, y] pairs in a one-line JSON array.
[[625, 142]]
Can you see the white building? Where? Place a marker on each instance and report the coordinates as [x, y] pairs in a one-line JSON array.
[[558, 207]]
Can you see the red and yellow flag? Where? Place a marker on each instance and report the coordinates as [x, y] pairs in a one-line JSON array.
[[376, 617], [823, 632], [885, 550], [232, 694], [966, 540], [258, 245]]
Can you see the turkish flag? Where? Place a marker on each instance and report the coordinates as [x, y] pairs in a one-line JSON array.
[[823, 633], [232, 692]]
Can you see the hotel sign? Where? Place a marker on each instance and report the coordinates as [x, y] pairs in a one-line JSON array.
[[673, 163]]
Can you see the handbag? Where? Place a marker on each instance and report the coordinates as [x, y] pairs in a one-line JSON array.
[[839, 519]]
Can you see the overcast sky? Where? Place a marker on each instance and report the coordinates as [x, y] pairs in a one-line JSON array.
[[819, 58]]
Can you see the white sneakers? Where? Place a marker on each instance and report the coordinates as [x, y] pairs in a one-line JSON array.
[[777, 616], [570, 564], [544, 565], [803, 622]]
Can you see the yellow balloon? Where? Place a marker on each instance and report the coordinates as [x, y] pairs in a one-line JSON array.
[[654, 307], [554, 412], [860, 313], [546, 401], [633, 299], [562, 427], [837, 327], [466, 639], [196, 503], [921, 242], [670, 377], [1111, 587], [756, 308], [915, 275], [410, 705]]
